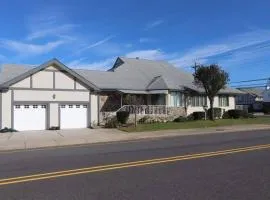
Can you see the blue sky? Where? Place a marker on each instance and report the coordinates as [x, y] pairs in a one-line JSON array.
[[91, 34]]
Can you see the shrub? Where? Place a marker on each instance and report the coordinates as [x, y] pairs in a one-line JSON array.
[[266, 108], [226, 115], [244, 114], [180, 119], [111, 123], [217, 113], [5, 130], [122, 116], [190, 117], [198, 115], [235, 114]]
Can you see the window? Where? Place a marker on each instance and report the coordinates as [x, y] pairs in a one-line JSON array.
[[177, 99], [63, 106], [35, 106], [43, 106], [223, 101], [17, 106], [78, 106], [198, 101], [85, 106], [70, 106], [26, 106]]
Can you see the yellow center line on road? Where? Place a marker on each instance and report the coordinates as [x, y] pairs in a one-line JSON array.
[[101, 168]]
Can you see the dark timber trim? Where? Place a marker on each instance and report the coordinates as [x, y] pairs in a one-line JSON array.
[[50, 89], [54, 80], [31, 81], [98, 108], [12, 109]]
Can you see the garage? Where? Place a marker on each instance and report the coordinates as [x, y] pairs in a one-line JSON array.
[[73, 116], [30, 117]]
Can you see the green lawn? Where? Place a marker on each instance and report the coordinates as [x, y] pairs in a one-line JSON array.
[[195, 124]]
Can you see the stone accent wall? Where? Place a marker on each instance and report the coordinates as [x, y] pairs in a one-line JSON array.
[[176, 111]]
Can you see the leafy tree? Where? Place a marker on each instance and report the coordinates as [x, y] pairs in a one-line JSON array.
[[212, 78]]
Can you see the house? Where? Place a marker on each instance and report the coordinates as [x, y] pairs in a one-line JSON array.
[[266, 93], [251, 98], [54, 95]]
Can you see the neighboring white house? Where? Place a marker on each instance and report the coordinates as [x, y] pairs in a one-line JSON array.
[[53, 95]]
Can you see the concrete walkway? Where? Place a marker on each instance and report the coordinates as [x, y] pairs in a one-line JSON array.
[[39, 139]]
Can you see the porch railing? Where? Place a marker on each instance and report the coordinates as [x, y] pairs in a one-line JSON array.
[[145, 109]]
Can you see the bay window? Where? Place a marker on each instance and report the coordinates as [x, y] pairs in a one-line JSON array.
[[177, 99], [223, 101], [198, 101]]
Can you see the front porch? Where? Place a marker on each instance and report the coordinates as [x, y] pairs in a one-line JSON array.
[[141, 104]]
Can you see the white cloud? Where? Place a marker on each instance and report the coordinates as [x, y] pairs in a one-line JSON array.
[[98, 65], [56, 31], [151, 54], [27, 49], [96, 44], [154, 24], [230, 46]]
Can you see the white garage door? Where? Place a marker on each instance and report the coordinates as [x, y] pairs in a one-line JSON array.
[[73, 116], [30, 117]]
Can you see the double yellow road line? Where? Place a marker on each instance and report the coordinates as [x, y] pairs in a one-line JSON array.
[[102, 168]]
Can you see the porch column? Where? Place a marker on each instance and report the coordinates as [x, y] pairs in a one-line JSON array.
[[167, 100], [121, 103], [148, 99]]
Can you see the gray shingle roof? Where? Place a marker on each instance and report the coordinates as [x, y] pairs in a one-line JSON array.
[[129, 74], [10, 71], [252, 91]]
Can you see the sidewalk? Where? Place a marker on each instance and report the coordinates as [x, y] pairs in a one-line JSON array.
[[39, 139]]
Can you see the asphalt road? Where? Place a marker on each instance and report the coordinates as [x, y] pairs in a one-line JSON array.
[[216, 174]]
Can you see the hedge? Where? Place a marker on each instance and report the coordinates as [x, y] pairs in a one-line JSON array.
[[122, 116], [217, 113], [198, 115]]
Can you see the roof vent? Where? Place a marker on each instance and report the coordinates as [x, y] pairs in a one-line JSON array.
[[137, 58]]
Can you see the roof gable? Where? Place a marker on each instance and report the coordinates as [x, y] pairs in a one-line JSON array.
[[53, 62]]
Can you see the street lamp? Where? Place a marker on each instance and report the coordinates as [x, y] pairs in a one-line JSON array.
[[205, 107]]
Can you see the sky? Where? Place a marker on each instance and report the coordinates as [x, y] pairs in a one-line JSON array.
[[91, 34]]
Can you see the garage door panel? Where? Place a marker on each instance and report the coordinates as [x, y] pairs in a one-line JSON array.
[[30, 117], [73, 116]]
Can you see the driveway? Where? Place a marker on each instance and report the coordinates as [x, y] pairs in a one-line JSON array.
[[39, 139]]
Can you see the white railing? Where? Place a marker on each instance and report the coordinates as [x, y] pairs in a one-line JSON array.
[[145, 109]]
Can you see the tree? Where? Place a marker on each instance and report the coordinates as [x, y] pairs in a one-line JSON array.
[[212, 78]]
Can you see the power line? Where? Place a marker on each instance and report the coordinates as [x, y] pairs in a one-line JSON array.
[[254, 80]]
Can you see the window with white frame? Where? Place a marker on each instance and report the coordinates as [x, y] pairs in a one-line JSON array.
[[223, 101], [198, 101], [177, 99]]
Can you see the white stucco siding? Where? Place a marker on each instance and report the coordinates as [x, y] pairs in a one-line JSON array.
[[6, 109], [43, 79], [80, 86], [94, 109], [43, 96], [54, 114], [52, 68], [25, 83], [191, 109], [63, 81]]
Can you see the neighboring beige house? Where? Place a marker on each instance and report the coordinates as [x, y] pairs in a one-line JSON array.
[[53, 95]]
